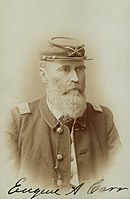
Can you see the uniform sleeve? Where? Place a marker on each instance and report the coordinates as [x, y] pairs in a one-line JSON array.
[[113, 139], [12, 142]]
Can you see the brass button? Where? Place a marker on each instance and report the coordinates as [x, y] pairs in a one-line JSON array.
[[71, 175], [71, 158], [60, 156], [71, 141], [59, 182], [53, 56], [59, 130]]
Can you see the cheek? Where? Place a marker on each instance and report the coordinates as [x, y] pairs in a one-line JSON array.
[[56, 82], [82, 78]]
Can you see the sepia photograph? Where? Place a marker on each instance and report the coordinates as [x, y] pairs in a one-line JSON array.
[[65, 96]]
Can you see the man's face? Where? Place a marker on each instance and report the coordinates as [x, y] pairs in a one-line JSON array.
[[66, 75], [65, 86]]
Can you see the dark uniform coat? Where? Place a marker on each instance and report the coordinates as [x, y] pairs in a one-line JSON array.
[[36, 137]]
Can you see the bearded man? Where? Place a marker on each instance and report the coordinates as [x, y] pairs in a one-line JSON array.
[[60, 140]]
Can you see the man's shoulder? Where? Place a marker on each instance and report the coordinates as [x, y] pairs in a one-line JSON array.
[[97, 108], [25, 108]]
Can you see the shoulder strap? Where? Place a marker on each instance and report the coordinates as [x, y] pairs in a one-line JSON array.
[[97, 107], [24, 108]]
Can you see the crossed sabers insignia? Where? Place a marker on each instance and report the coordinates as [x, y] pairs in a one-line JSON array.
[[75, 50]]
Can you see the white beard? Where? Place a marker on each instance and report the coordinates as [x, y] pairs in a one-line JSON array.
[[71, 105]]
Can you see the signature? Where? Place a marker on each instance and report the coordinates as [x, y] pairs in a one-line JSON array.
[[36, 192], [96, 187]]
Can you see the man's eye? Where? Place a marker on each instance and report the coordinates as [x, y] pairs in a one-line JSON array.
[[81, 68], [65, 70]]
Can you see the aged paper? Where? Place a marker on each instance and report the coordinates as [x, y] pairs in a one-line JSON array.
[[104, 26]]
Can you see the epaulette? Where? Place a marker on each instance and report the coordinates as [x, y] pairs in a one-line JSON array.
[[97, 107], [24, 108]]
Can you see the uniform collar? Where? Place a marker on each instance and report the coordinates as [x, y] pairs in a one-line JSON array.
[[52, 120], [54, 111]]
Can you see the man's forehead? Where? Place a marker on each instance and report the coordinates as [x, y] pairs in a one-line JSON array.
[[64, 62]]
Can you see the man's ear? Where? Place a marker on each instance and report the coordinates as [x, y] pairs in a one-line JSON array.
[[43, 75]]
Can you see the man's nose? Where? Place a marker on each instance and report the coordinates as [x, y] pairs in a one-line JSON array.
[[73, 76]]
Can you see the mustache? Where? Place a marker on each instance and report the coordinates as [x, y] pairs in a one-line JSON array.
[[73, 86]]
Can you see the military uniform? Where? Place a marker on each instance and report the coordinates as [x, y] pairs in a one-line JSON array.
[[41, 145], [37, 140]]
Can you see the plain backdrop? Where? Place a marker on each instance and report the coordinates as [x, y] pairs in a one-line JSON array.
[[103, 25]]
